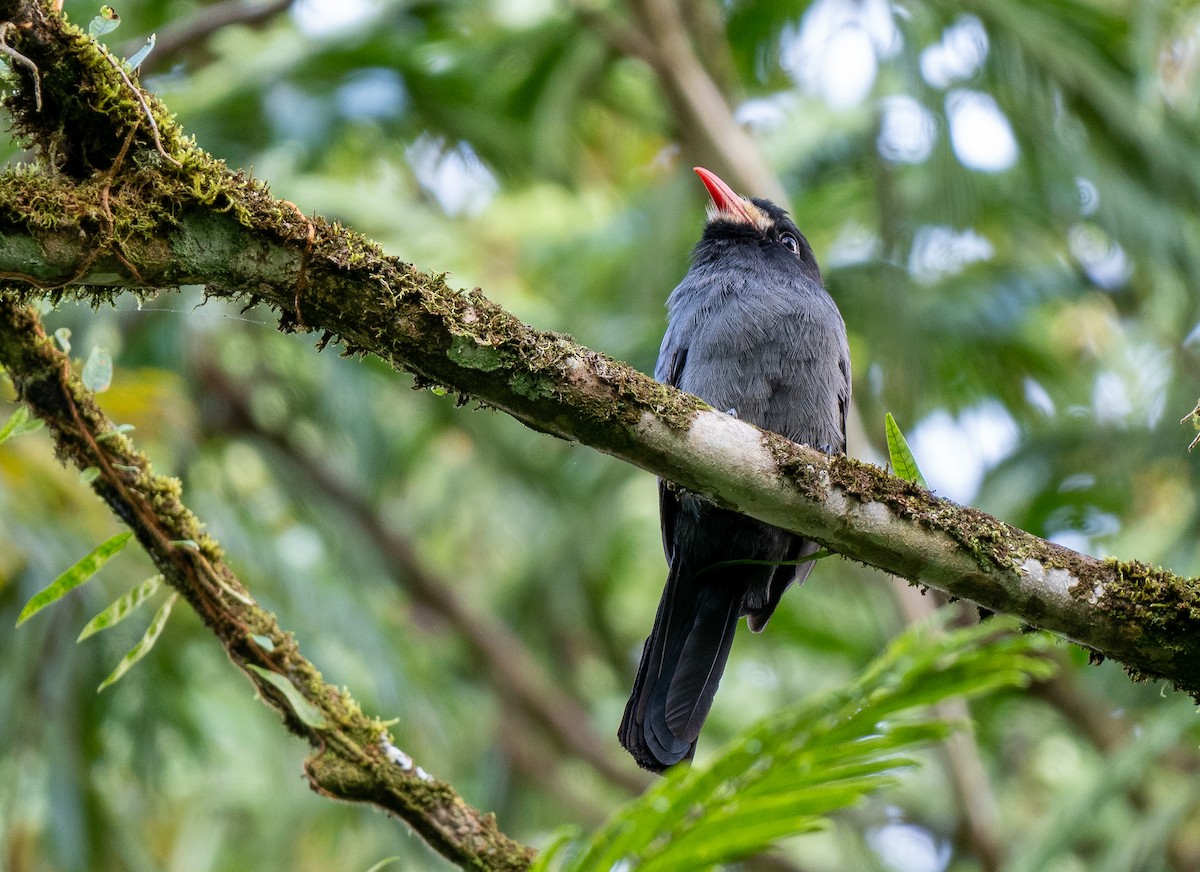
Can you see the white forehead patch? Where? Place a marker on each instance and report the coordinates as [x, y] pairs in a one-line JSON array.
[[758, 217]]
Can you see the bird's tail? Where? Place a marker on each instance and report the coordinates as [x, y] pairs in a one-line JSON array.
[[681, 666]]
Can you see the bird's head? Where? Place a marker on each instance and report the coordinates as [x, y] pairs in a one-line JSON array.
[[753, 220]]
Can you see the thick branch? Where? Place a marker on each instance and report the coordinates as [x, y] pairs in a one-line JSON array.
[[150, 228], [354, 759], [1144, 617]]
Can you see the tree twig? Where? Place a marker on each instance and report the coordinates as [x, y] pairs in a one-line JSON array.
[[141, 98], [17, 58]]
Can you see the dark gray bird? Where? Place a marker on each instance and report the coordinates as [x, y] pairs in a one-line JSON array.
[[752, 331]]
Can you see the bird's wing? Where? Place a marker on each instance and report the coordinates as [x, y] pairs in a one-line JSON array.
[[807, 382], [844, 395], [672, 358], [668, 513]]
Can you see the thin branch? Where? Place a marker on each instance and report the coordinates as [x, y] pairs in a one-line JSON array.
[[17, 58], [353, 757], [141, 99]]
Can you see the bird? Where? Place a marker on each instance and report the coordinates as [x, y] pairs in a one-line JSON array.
[[752, 331]]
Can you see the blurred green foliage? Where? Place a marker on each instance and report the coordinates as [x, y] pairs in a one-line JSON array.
[[1006, 212]]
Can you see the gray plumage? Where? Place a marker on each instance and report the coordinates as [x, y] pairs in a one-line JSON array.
[[752, 331]]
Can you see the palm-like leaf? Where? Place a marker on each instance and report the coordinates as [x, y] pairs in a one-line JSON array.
[[786, 773]]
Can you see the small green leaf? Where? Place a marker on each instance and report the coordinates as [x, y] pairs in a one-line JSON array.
[[191, 544], [97, 372], [75, 576], [301, 707], [136, 61], [90, 474], [903, 462], [263, 642], [63, 337], [106, 22], [19, 423], [142, 648], [122, 608]]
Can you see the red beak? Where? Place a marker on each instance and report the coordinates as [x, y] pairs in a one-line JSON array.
[[722, 195]]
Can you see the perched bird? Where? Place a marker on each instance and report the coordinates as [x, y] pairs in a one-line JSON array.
[[752, 331]]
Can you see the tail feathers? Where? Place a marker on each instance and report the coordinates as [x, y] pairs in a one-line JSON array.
[[681, 667], [701, 664]]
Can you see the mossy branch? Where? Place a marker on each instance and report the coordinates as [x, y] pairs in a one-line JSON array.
[[103, 220], [353, 757]]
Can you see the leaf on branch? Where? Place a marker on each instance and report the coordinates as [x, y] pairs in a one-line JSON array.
[[19, 423], [106, 22], [97, 372], [84, 569], [903, 462], [142, 648], [62, 336], [787, 773], [141, 54], [122, 608], [303, 709]]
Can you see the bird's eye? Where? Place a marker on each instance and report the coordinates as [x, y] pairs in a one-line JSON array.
[[790, 242]]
